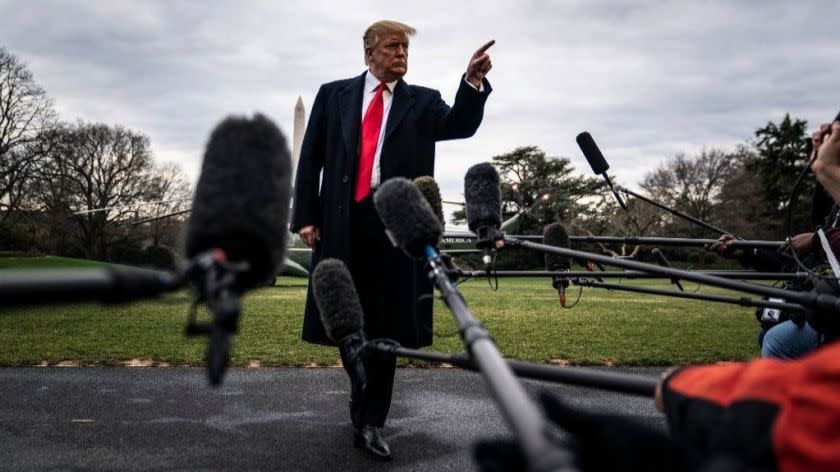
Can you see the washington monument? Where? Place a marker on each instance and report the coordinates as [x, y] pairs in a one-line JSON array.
[[297, 133]]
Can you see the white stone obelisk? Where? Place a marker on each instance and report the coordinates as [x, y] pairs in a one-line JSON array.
[[297, 133]]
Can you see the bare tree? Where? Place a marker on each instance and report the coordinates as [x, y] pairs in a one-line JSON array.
[[25, 115], [171, 192], [692, 185], [95, 166]]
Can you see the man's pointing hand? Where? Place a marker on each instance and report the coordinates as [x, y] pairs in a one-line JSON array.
[[479, 65]]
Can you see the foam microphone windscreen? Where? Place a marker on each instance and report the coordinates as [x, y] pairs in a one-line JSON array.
[[483, 196], [409, 218], [837, 118], [556, 235], [241, 202], [337, 300], [592, 153], [431, 192]]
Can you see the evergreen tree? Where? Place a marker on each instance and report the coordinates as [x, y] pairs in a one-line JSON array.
[[783, 151]]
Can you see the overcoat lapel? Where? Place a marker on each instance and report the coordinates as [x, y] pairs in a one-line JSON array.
[[402, 102], [350, 105]]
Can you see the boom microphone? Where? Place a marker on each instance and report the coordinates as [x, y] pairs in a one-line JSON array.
[[236, 233], [556, 235], [597, 162], [431, 192], [409, 220], [483, 197], [335, 295], [342, 315], [241, 202]]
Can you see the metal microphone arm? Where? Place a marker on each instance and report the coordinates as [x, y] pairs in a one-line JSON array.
[[107, 285], [674, 212], [521, 413], [646, 240], [635, 274], [614, 192], [632, 384], [742, 301]]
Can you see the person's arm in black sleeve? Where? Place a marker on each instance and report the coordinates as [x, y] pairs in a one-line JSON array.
[[464, 117], [764, 260]]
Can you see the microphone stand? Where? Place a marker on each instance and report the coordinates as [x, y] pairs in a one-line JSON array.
[[674, 211], [632, 384], [521, 413], [814, 302]]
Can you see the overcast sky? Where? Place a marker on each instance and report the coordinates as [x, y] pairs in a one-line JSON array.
[[647, 79]]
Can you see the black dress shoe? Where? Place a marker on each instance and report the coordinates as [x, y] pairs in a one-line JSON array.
[[368, 438]]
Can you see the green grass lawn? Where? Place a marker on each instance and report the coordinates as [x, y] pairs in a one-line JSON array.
[[45, 262], [523, 316]]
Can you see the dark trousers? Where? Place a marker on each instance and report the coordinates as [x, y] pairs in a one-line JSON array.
[[367, 266]]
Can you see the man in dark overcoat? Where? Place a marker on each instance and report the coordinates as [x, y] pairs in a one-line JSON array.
[[363, 131]]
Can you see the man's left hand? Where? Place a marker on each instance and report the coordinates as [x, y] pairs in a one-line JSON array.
[[479, 65]]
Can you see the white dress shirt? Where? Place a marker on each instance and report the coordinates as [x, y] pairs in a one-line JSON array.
[[371, 83]]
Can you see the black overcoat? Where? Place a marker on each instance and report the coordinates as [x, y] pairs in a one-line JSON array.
[[325, 180]]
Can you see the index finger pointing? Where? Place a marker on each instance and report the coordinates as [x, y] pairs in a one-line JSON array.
[[485, 47]]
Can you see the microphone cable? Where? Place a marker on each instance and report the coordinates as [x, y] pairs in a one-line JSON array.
[[580, 292], [788, 217], [492, 276]]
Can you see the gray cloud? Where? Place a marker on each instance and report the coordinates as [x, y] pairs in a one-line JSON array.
[[647, 79]]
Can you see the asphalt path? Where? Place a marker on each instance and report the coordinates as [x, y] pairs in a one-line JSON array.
[[104, 418]]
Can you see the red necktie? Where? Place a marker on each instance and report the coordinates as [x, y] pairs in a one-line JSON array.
[[371, 124]]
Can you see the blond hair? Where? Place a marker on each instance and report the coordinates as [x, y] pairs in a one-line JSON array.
[[382, 27]]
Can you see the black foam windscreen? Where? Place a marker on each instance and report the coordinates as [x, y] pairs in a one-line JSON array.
[[483, 197], [431, 192], [337, 300], [837, 118], [592, 153], [241, 202], [556, 235], [410, 221]]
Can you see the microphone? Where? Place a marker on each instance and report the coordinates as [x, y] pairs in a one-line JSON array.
[[556, 235], [342, 316], [483, 198], [663, 261], [431, 192], [409, 220], [236, 233], [597, 162]]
